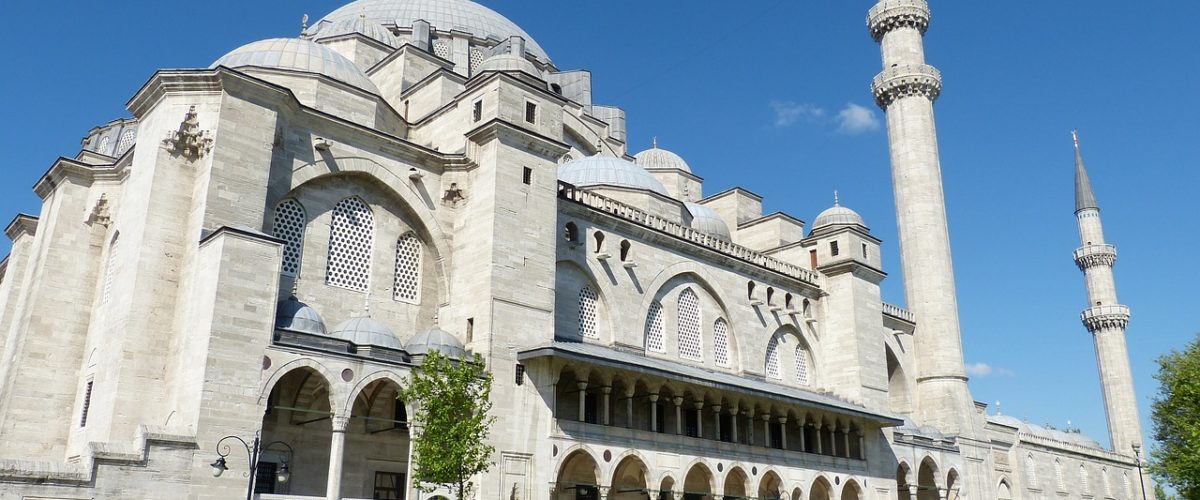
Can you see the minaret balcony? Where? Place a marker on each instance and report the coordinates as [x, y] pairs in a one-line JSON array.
[[1098, 318], [906, 80], [888, 15], [1095, 255]]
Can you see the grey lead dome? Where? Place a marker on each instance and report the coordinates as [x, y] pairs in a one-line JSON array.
[[436, 339], [295, 54], [367, 331], [296, 316], [601, 170]]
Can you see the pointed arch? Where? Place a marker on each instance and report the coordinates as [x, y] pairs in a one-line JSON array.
[[579, 469], [1003, 490], [110, 267], [927, 480], [803, 361], [688, 320], [1031, 477], [736, 484], [654, 328], [351, 244], [721, 342], [588, 313], [406, 282], [820, 489], [851, 490], [771, 364]]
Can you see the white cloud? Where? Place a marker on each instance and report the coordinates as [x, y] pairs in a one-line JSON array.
[[984, 369], [855, 119], [787, 113]]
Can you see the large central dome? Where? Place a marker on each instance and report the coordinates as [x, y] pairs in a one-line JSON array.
[[442, 15]]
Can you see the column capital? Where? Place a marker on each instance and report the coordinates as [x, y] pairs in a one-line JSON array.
[[888, 15], [340, 423]]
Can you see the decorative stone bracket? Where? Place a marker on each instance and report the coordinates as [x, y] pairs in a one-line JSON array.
[[100, 213], [1098, 318], [189, 141], [906, 81], [1095, 255]]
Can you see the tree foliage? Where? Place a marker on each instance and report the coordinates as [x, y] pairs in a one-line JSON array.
[[452, 400], [1176, 414]]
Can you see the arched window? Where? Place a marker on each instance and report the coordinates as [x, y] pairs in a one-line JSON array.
[[625, 248], [351, 240], [599, 237], [654, 328], [801, 364], [1127, 484], [110, 268], [1058, 476], [587, 313], [772, 363], [688, 326], [126, 140], [103, 147], [750, 290], [1003, 492], [1030, 471], [288, 225], [721, 342], [1108, 492], [408, 269], [571, 233], [1085, 478]]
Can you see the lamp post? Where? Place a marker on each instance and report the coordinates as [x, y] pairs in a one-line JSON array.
[[253, 454], [1137, 452]]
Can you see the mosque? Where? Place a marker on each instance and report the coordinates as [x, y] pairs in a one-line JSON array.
[[264, 251]]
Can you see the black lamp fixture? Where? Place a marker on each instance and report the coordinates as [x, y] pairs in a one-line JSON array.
[[253, 454]]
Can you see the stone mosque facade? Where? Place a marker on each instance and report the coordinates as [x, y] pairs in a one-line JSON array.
[[270, 245]]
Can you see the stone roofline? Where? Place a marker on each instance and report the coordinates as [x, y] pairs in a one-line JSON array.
[[110, 454], [22, 223], [769, 217], [640, 217], [899, 313], [728, 192]]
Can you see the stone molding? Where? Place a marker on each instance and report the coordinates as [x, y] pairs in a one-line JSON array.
[[889, 15], [1095, 255], [1098, 318], [908, 80]]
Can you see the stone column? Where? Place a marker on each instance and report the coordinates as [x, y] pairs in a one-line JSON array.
[[653, 412], [750, 426], [846, 439], [607, 393], [733, 421], [582, 400], [766, 418], [678, 400], [337, 449], [699, 419], [817, 433], [629, 407], [862, 445], [803, 445], [717, 421], [783, 433]]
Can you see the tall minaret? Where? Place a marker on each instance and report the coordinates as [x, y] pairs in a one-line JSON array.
[[906, 90], [1105, 318]]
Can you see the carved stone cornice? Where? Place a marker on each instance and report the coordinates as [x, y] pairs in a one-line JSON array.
[[888, 15], [1098, 318], [906, 80], [1095, 255]]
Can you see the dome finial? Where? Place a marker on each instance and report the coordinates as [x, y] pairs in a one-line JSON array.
[[304, 23], [836, 202], [654, 142]]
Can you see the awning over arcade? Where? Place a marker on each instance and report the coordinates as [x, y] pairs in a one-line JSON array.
[[630, 361]]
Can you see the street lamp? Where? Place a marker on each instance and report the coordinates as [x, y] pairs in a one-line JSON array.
[[253, 454], [1137, 452]]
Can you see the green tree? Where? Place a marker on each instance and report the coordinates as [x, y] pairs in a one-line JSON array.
[[452, 400], [1176, 415]]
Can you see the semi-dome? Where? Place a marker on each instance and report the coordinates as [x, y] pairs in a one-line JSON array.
[[509, 62], [602, 170], [296, 316], [366, 331], [436, 339], [706, 220], [661, 158], [295, 54], [442, 15]]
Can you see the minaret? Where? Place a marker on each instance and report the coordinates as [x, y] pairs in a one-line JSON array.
[[906, 90], [1105, 317]]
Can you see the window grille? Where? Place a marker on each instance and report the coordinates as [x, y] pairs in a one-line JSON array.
[[110, 269], [351, 239], [772, 366], [408, 269], [441, 49], [801, 365], [288, 225], [126, 141], [87, 403], [103, 147], [654, 328], [587, 313], [1108, 492], [689, 326], [721, 342], [477, 57], [1031, 471], [389, 486], [520, 375]]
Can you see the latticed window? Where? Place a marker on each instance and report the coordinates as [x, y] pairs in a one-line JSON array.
[[654, 328], [351, 239], [801, 364], [477, 57], [126, 141], [441, 49], [1058, 476], [772, 364], [587, 313], [1108, 492], [103, 147], [110, 269], [408, 269], [1085, 479], [1126, 484], [688, 327], [721, 342], [1031, 471], [288, 225]]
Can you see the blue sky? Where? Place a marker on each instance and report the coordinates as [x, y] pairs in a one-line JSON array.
[[773, 96]]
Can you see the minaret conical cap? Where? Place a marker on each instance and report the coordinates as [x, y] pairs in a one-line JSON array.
[[1084, 197]]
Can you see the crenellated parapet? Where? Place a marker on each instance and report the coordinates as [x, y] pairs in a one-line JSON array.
[[889, 15], [1098, 318], [1095, 255], [906, 80]]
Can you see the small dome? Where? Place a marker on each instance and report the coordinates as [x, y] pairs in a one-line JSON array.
[[600, 170], [838, 215], [661, 158], [366, 331], [706, 220], [295, 54], [509, 62], [436, 339], [296, 316]]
